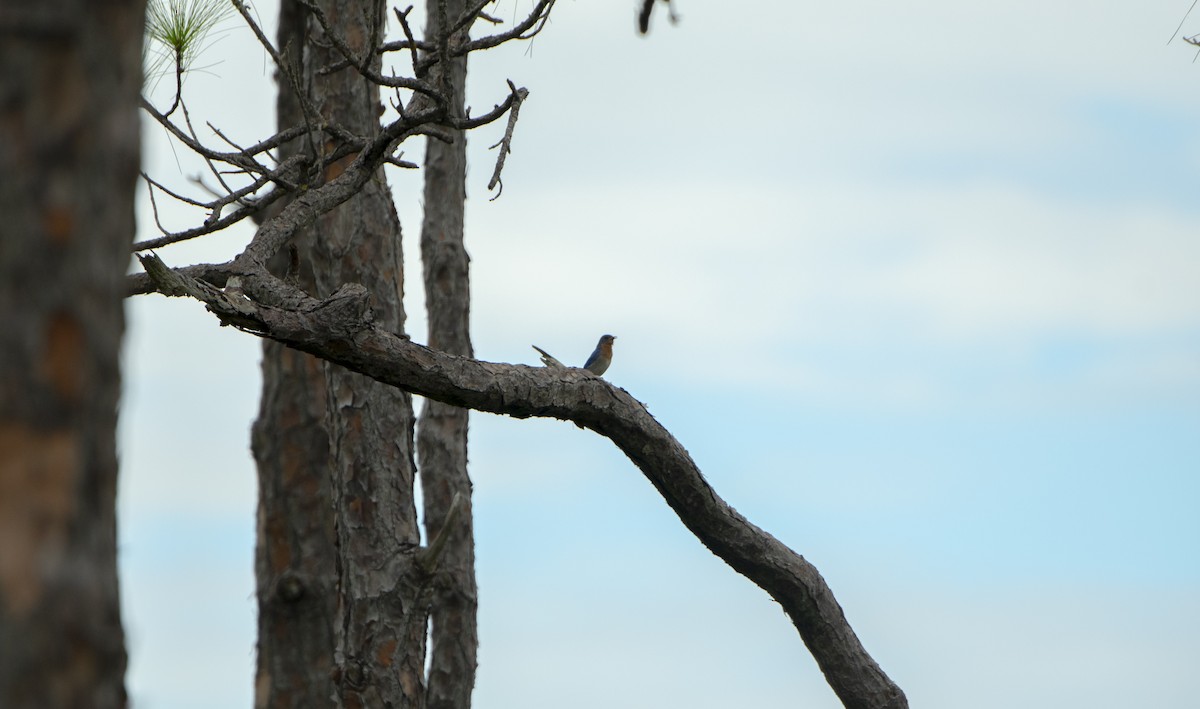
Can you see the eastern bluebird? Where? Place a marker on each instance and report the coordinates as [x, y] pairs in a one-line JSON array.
[[596, 364], [601, 356]]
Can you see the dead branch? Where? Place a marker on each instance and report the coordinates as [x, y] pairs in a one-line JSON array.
[[528, 28], [363, 64], [340, 329], [293, 165], [517, 97]]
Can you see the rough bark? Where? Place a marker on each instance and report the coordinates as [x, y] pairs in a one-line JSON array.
[[295, 557], [349, 497], [69, 157], [442, 429], [341, 328]]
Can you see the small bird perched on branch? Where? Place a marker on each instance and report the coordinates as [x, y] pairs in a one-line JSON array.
[[596, 364]]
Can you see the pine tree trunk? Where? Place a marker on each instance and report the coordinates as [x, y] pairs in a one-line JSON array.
[[442, 430], [69, 157], [341, 616]]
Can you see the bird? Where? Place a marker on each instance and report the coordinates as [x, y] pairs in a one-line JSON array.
[[601, 356], [596, 364]]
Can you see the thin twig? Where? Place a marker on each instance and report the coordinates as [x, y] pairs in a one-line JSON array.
[[187, 119], [373, 22], [248, 208], [468, 17], [306, 108], [408, 34], [153, 203], [527, 29], [394, 46], [176, 195], [1181, 21], [178, 80], [239, 148], [468, 123], [339, 42], [218, 225], [240, 159], [362, 65]]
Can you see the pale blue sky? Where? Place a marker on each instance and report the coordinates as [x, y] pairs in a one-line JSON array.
[[916, 287]]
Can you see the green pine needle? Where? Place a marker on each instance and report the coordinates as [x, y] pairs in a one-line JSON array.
[[176, 29]]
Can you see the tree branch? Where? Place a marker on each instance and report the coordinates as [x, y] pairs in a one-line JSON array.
[[339, 329], [215, 273], [363, 64], [516, 98], [526, 29]]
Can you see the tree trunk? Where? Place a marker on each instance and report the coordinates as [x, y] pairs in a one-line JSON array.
[[295, 560], [69, 157], [341, 611], [442, 431]]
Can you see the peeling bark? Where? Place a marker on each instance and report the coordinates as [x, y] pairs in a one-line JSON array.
[[295, 556], [335, 448]]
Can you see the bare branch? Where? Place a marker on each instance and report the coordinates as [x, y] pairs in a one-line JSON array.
[[363, 64], [187, 119], [376, 26], [242, 158], [258, 33], [339, 329], [517, 97], [466, 19], [310, 112], [408, 36], [311, 204], [154, 205], [215, 222], [377, 148], [178, 81], [1189, 40], [527, 29], [395, 46], [176, 195], [217, 274], [208, 228]]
